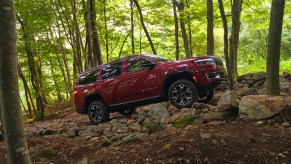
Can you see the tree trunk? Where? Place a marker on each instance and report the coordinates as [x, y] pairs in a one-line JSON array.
[[34, 67], [176, 31], [274, 44], [236, 10], [144, 27], [15, 139], [95, 38], [78, 38], [189, 29], [132, 27], [183, 28], [106, 31], [29, 100], [210, 36], [88, 56], [125, 38], [229, 71], [56, 84]]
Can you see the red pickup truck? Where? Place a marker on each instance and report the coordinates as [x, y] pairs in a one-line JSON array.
[[124, 84]]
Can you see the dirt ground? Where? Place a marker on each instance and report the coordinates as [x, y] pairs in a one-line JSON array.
[[236, 141]]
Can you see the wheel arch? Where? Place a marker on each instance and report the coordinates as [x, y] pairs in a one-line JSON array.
[[94, 97], [171, 78]]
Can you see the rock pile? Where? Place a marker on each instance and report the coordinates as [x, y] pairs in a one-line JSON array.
[[246, 101]]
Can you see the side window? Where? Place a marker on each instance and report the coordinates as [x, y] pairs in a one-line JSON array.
[[134, 64], [88, 78], [112, 70]]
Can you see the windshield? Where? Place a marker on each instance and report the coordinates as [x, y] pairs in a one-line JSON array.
[[158, 58]]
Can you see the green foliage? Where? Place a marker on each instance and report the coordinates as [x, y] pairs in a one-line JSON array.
[[185, 121], [50, 24], [256, 65]]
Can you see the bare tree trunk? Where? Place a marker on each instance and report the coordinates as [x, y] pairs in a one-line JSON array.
[[274, 44], [95, 38], [125, 38], [132, 26], [210, 36], [89, 56], [106, 30], [236, 10], [144, 27], [29, 100], [11, 114], [34, 67], [223, 17], [78, 38], [176, 31], [190, 30], [67, 75], [183, 28], [56, 84]]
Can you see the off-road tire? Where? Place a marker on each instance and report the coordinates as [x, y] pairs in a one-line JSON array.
[[127, 112], [183, 93], [97, 112], [207, 97]]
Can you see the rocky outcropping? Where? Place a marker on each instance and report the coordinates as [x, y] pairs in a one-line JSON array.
[[262, 106]]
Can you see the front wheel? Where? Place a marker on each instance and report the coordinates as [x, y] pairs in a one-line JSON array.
[[97, 112], [183, 93], [207, 97]]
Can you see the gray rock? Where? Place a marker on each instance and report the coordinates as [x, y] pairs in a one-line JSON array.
[[150, 126], [49, 132], [261, 106], [135, 137], [258, 76], [73, 132], [159, 111], [245, 91], [201, 106], [178, 116], [119, 128], [228, 101], [218, 116], [135, 127]]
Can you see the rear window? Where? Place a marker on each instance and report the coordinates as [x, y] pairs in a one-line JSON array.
[[87, 78]]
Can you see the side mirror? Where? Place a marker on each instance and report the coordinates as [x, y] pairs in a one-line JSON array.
[[148, 65]]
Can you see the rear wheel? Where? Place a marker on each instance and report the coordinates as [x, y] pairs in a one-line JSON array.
[[97, 112], [207, 97], [127, 112], [183, 93]]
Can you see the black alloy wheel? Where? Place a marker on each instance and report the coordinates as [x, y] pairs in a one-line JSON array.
[[183, 93], [97, 112]]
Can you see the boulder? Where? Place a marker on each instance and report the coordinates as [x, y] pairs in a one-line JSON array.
[[159, 111], [43, 150], [228, 101], [219, 116], [287, 75], [150, 126], [261, 106], [135, 137], [245, 91], [178, 116]]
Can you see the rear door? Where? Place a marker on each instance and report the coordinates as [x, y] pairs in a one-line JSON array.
[[113, 83], [141, 81]]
